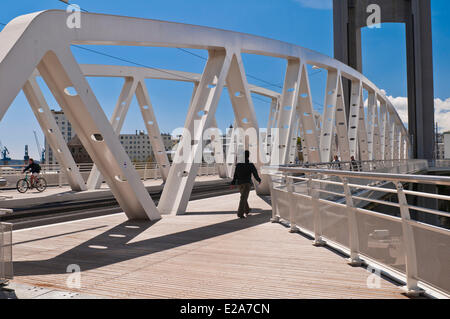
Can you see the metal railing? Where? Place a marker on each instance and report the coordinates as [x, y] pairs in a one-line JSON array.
[[56, 176], [338, 208], [439, 163], [362, 166], [6, 265]]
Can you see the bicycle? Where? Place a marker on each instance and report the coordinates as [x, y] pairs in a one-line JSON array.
[[25, 184]]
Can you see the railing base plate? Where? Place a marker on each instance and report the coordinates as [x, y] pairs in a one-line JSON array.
[[275, 219], [319, 243], [413, 292], [355, 262]]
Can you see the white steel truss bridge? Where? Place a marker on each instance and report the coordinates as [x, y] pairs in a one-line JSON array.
[[38, 44]]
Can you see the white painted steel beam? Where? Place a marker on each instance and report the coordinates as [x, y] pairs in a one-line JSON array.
[[53, 134], [371, 109], [118, 118], [287, 114], [63, 76], [362, 133], [307, 117], [24, 35], [329, 116], [355, 101], [153, 131], [176, 193], [384, 130], [341, 124], [377, 135], [245, 115]]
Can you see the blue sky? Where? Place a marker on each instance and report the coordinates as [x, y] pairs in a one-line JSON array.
[[304, 22]]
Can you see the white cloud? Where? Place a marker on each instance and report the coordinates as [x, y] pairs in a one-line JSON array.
[[442, 111], [317, 4]]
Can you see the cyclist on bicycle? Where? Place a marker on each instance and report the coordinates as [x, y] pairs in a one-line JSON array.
[[35, 170]]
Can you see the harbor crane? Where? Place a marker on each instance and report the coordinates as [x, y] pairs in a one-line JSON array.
[[41, 151]]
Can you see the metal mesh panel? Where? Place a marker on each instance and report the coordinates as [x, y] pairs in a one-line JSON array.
[[283, 204], [334, 220], [433, 257], [381, 240], [304, 216], [6, 267]]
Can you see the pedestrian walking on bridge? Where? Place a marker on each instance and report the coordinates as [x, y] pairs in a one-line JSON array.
[[243, 179]]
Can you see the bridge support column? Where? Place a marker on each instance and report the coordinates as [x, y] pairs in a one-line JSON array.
[[352, 15]]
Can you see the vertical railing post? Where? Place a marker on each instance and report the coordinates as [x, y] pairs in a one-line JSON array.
[[273, 198], [145, 171], [411, 288], [352, 226], [59, 177], [318, 241], [291, 188]]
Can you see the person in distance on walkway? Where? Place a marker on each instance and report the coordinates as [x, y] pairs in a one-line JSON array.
[[354, 165], [336, 163], [243, 179]]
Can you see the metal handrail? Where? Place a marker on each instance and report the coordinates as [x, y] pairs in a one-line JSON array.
[[287, 178], [406, 178]]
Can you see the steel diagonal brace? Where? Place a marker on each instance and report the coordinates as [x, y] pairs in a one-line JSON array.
[[307, 118], [286, 119], [64, 77], [188, 157], [117, 119], [329, 112], [53, 134]]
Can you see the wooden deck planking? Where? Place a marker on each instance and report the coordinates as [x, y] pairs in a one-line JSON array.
[[206, 254]]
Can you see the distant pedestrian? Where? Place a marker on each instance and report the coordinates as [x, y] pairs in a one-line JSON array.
[[336, 163], [354, 165], [243, 179]]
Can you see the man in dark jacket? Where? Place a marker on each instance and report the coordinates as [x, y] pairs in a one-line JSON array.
[[35, 170], [243, 179]]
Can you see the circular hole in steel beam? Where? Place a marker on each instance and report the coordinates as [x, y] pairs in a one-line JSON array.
[[97, 137], [70, 91], [120, 179]]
